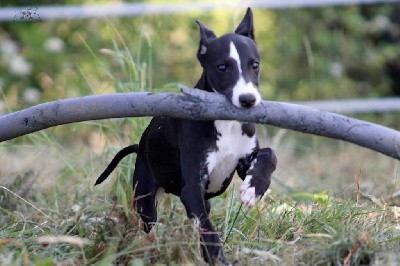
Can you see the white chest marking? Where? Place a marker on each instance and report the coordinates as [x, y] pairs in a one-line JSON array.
[[232, 145], [241, 87]]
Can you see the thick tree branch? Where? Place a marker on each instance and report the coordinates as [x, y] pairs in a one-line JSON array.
[[197, 104]]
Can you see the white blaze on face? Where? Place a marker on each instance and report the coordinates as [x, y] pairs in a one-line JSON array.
[[241, 87]]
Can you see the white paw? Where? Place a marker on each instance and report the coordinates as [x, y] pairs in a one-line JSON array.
[[248, 197], [248, 193]]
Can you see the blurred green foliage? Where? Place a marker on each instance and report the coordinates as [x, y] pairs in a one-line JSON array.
[[330, 52]]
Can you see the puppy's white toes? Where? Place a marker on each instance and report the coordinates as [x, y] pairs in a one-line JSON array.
[[248, 193], [248, 197]]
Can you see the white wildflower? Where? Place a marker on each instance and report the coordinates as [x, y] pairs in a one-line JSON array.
[[54, 45], [336, 69], [380, 23], [8, 47], [31, 95], [19, 66]]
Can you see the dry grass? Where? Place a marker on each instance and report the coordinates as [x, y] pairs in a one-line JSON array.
[[310, 215]]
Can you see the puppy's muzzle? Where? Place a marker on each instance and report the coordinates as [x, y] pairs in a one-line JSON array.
[[247, 100]]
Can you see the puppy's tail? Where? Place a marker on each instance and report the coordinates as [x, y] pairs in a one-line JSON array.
[[114, 162]]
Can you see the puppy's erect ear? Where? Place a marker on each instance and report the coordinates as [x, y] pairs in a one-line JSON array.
[[246, 27], [206, 35]]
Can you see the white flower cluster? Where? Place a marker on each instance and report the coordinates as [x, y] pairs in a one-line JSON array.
[[12, 59], [54, 45], [9, 54]]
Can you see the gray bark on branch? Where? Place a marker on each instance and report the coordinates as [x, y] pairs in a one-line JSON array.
[[200, 105]]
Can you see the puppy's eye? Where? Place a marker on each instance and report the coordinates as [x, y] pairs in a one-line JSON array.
[[222, 67], [256, 65]]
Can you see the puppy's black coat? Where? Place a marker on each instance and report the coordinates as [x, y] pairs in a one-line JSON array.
[[196, 160]]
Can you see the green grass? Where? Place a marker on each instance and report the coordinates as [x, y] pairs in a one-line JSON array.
[[278, 230], [284, 228]]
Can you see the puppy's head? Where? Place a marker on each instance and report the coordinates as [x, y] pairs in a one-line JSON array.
[[232, 62]]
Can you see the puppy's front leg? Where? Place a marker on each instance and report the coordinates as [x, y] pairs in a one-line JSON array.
[[255, 171], [193, 200], [192, 197]]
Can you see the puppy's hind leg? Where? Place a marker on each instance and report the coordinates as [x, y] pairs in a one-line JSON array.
[[145, 193]]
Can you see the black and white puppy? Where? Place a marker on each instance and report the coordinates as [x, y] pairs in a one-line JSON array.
[[195, 159]]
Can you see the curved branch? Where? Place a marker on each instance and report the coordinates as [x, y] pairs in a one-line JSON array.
[[197, 104]]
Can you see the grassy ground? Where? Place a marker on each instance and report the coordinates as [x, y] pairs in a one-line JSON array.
[[329, 203]]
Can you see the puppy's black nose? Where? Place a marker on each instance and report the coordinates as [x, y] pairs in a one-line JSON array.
[[247, 100]]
